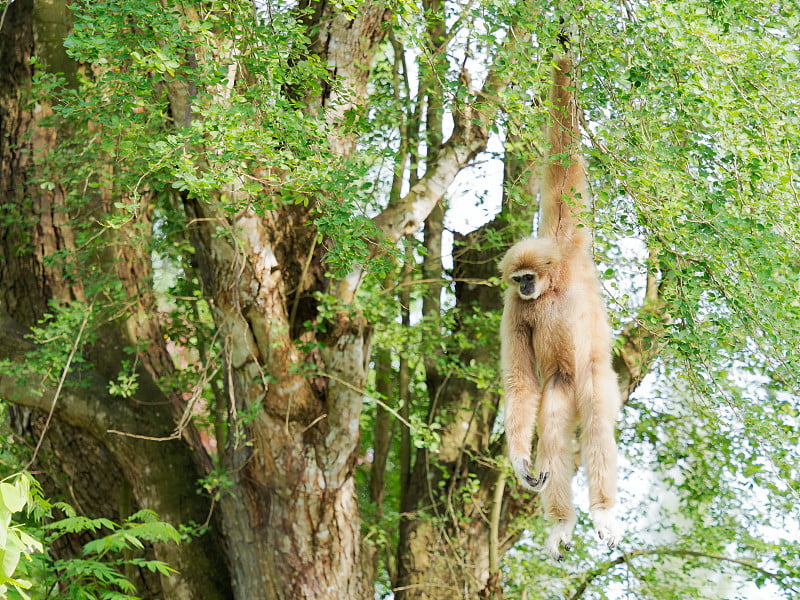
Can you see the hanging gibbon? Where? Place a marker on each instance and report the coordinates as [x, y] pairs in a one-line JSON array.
[[556, 342]]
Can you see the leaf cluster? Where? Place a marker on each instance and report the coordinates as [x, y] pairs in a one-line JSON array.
[[99, 572]]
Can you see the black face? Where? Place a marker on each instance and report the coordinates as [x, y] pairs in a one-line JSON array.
[[527, 283]]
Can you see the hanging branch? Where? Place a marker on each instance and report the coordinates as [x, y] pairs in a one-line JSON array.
[[64, 373]]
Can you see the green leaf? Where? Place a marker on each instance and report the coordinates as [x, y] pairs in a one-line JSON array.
[[12, 497]]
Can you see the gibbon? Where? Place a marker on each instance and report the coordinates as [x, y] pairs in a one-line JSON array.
[[556, 343]]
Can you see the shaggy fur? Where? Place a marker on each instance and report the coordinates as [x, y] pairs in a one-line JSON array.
[[556, 343]]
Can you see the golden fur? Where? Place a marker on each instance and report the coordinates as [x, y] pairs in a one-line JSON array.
[[556, 343]]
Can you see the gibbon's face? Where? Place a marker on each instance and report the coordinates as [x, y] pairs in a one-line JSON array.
[[529, 285], [528, 264]]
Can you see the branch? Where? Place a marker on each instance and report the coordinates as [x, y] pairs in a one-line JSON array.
[[625, 557], [494, 520], [64, 373], [87, 404], [595, 573], [469, 137]]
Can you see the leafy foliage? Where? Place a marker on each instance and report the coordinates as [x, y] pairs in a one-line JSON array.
[[14, 541], [693, 138], [98, 574]]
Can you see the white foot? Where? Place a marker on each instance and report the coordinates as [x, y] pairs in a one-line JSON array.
[[560, 535], [607, 527]]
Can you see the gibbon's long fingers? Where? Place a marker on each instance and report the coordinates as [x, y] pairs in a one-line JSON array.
[[537, 484], [522, 469]]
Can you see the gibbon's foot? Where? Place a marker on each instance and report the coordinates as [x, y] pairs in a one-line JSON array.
[[606, 526], [521, 468], [560, 535]]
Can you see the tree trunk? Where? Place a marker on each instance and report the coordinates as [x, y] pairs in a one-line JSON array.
[[162, 476], [291, 513], [445, 545]]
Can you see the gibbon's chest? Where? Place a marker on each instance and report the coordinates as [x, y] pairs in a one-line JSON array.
[[558, 321]]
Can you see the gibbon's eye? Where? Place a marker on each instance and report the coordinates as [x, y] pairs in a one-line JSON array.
[[524, 278]]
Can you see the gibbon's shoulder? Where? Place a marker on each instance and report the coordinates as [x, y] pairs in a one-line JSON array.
[[529, 253]]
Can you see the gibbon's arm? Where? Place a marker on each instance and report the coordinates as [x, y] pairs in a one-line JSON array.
[[565, 197], [523, 396]]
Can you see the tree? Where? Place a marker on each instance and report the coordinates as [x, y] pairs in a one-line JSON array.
[[224, 265]]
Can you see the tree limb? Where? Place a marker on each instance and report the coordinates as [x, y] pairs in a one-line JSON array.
[[469, 137], [472, 121], [625, 557], [85, 407]]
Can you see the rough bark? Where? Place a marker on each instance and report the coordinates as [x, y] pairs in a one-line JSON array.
[[155, 471], [291, 515], [161, 476]]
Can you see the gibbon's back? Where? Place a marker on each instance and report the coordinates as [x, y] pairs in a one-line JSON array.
[[565, 197]]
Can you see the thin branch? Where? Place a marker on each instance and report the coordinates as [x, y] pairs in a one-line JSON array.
[[626, 557], [5, 10], [303, 274], [438, 280], [172, 436], [468, 138], [595, 573], [494, 520], [64, 373], [186, 416], [362, 391]]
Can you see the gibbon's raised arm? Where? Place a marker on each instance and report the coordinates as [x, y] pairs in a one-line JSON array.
[[556, 343], [565, 197]]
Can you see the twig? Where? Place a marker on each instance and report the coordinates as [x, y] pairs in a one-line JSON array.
[[5, 10], [173, 436], [64, 373], [303, 274], [494, 520], [364, 392], [183, 422]]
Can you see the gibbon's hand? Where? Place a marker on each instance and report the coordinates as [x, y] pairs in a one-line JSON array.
[[521, 468]]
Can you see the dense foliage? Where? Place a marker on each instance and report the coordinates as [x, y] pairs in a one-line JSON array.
[[692, 133]]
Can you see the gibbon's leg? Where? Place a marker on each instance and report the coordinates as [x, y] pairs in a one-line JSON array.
[[554, 455], [522, 397], [599, 452]]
